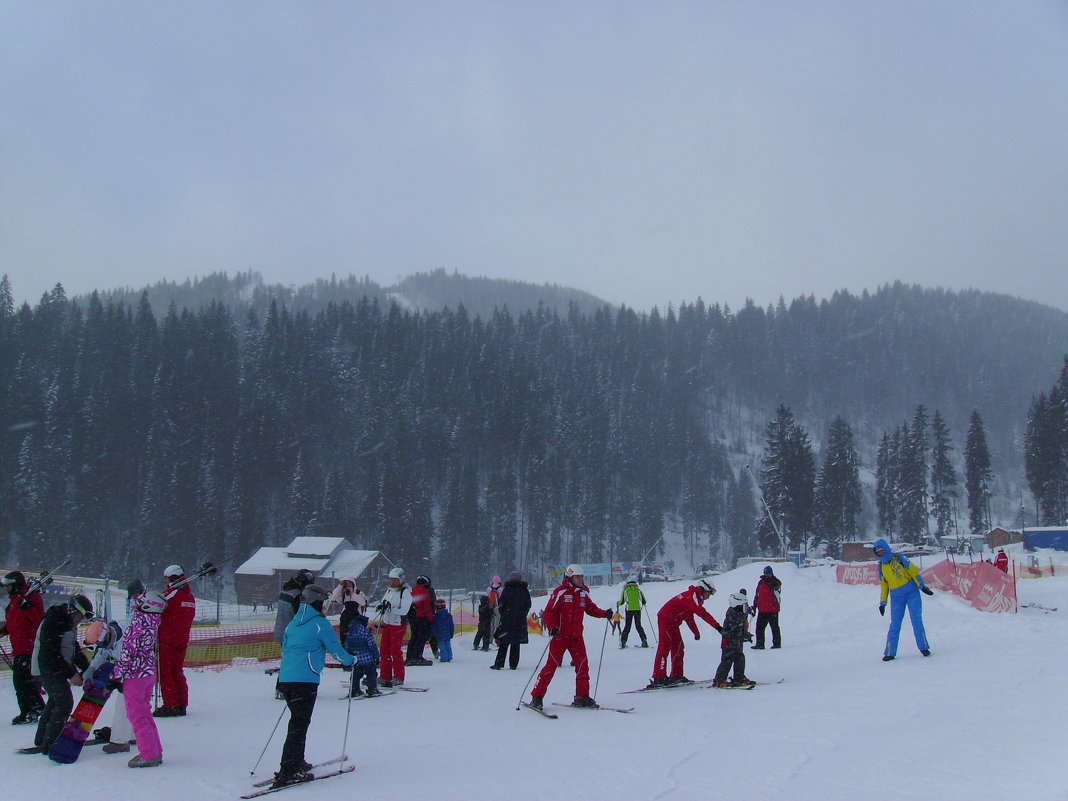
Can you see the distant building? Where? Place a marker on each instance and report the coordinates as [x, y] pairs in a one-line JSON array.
[[997, 537], [260, 578]]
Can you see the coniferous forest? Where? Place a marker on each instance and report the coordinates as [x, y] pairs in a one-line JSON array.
[[136, 437]]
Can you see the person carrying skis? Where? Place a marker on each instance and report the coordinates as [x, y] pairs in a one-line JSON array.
[[390, 620], [307, 639], [135, 676], [59, 662], [514, 605], [680, 609], [25, 611], [563, 619], [900, 580], [632, 599], [735, 632], [768, 593], [174, 628]]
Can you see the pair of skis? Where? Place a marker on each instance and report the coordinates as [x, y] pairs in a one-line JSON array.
[[553, 716], [267, 782]]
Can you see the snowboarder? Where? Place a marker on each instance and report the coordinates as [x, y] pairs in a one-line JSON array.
[[669, 619], [135, 676], [735, 633], [632, 599], [768, 593], [563, 616], [390, 620], [59, 662], [514, 605], [361, 644], [25, 611], [902, 583], [307, 639], [421, 620], [174, 629]]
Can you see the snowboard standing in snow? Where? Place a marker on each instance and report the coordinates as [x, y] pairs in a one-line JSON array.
[[68, 746]]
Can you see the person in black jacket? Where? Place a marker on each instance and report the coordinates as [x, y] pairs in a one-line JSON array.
[[485, 623], [513, 606], [59, 662], [735, 633]]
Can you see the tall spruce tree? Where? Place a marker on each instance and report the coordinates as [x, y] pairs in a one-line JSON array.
[[788, 480], [943, 478], [1046, 451], [838, 490], [977, 476]]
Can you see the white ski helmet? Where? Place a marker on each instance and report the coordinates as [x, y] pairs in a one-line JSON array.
[[396, 573], [706, 585], [574, 570], [174, 570], [737, 599]]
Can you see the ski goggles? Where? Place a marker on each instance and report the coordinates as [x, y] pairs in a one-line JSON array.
[[77, 606], [7, 581]]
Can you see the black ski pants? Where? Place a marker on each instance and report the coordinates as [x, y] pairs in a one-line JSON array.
[[762, 622], [733, 657], [27, 687], [300, 698], [511, 649], [56, 711], [420, 633], [633, 616]]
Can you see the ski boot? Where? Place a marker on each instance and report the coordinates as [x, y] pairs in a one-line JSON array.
[[536, 702], [586, 702]]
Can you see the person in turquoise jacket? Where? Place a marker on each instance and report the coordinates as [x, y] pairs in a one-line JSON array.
[[304, 645], [900, 581]]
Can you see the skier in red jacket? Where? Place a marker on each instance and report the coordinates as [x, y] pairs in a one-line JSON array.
[[24, 615], [562, 618], [174, 628], [1001, 561], [670, 618]]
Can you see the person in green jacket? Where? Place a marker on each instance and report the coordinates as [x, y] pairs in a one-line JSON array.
[[633, 599]]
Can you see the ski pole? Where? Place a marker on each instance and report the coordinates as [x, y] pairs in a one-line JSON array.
[[348, 712], [264, 751], [536, 666], [597, 682], [652, 628]]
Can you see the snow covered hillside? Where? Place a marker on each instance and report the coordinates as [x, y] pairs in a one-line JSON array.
[[980, 719]]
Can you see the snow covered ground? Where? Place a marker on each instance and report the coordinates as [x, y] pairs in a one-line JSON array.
[[981, 719]]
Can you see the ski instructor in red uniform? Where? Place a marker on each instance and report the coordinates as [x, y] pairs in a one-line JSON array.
[[670, 618], [174, 628], [562, 618]]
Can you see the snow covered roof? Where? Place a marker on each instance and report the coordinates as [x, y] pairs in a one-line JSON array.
[[324, 556], [324, 547], [267, 560], [349, 563]]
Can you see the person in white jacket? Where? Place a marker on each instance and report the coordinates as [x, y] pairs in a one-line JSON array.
[[390, 619]]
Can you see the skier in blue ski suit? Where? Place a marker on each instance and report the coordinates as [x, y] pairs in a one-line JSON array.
[[901, 581]]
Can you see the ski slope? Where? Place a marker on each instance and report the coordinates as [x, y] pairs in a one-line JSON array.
[[982, 718]]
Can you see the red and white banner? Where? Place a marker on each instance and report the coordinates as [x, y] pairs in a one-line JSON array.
[[979, 583], [859, 573]]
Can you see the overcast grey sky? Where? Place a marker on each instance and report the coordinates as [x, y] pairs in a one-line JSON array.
[[649, 153]]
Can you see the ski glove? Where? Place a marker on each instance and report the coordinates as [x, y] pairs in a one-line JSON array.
[[113, 685], [882, 609], [554, 631], [697, 636], [926, 590]]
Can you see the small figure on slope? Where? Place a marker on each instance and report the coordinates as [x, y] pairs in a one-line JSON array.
[[768, 593], [563, 618], [633, 600], [444, 629], [680, 609], [900, 580], [485, 624], [735, 632]]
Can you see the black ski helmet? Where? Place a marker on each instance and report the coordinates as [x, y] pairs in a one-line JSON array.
[[80, 605], [135, 588]]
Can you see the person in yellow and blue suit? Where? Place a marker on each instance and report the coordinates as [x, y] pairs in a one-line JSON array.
[[901, 582]]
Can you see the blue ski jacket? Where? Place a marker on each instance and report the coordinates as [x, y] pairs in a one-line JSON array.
[[305, 643]]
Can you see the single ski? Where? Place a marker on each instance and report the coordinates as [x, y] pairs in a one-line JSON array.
[[731, 687], [333, 761], [412, 689], [394, 688], [699, 683], [361, 696], [1039, 606], [33, 749], [257, 794], [598, 707], [540, 711]]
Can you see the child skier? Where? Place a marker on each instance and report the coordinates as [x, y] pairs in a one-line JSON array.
[[135, 673], [361, 644], [444, 629], [485, 623], [735, 632]]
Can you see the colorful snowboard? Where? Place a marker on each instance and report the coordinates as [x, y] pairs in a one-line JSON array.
[[68, 746]]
